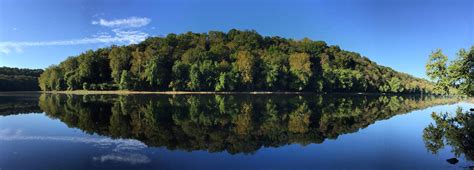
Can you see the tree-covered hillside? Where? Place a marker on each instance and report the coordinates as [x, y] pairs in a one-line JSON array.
[[17, 79], [232, 61]]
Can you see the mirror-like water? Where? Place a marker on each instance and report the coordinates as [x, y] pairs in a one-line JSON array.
[[52, 131]]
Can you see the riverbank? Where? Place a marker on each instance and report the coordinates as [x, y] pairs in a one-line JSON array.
[[167, 92], [125, 92]]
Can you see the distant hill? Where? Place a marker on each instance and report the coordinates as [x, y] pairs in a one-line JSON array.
[[233, 61], [19, 79]]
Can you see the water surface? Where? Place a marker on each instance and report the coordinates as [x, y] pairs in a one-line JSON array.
[[52, 131]]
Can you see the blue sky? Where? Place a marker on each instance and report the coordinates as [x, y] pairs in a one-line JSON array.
[[395, 33]]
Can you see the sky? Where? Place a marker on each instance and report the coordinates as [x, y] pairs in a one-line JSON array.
[[396, 33]]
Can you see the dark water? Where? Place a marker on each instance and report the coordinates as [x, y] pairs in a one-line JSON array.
[[228, 132]]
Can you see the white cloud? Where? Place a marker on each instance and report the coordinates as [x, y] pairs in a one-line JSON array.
[[4, 50], [124, 32], [123, 23], [127, 37]]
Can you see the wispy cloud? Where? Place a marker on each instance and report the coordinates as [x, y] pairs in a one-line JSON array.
[[123, 23], [123, 31]]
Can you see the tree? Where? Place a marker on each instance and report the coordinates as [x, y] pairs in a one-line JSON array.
[[245, 64], [436, 69], [125, 80], [470, 80], [395, 85], [72, 80], [237, 60], [71, 76], [346, 80], [93, 66], [51, 79], [300, 67], [458, 72], [19, 79], [141, 60], [275, 69], [156, 73], [455, 78], [119, 61], [226, 81], [180, 74]]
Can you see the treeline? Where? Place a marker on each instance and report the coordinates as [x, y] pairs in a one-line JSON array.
[[18, 79], [232, 61], [456, 77], [232, 123]]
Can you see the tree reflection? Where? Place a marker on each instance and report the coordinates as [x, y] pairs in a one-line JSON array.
[[455, 130], [232, 123], [11, 105]]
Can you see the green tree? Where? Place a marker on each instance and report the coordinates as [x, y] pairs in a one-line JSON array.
[[470, 80], [238, 60], [125, 80], [436, 69], [458, 72], [52, 79], [195, 78], [156, 72], [180, 74], [93, 66], [226, 82], [72, 78], [395, 85], [275, 69], [44, 79], [119, 61]]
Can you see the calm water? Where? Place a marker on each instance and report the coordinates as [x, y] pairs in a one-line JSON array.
[[226, 132]]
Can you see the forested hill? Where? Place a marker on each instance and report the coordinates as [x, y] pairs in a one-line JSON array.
[[232, 61], [19, 79]]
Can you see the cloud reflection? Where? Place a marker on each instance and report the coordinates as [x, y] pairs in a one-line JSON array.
[[122, 150], [131, 158]]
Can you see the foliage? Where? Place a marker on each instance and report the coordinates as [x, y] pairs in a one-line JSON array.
[[300, 67], [233, 61], [245, 65], [457, 77], [119, 60], [437, 70], [125, 80], [18, 79]]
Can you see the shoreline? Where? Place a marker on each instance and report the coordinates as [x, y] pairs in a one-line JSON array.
[[126, 92]]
